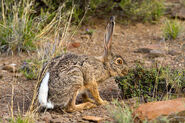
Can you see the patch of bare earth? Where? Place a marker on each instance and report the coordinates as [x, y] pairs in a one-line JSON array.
[[127, 40]]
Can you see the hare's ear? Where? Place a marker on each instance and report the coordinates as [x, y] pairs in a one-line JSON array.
[[108, 38]]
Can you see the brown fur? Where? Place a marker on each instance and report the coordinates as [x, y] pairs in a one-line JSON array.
[[71, 74]]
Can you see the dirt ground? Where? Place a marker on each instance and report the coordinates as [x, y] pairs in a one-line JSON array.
[[128, 40]]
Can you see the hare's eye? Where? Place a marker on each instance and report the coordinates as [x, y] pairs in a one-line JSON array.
[[119, 61]]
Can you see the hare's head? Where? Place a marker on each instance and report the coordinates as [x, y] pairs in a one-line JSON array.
[[115, 63]]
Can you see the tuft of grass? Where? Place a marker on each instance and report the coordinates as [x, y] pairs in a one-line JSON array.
[[120, 112], [19, 120], [17, 26], [30, 68], [28, 118], [172, 29], [89, 31], [152, 83]]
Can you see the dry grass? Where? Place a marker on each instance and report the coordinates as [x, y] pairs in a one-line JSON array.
[[51, 46], [50, 41]]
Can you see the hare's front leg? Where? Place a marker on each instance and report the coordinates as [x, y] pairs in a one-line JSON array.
[[74, 79], [93, 88], [73, 107], [86, 98]]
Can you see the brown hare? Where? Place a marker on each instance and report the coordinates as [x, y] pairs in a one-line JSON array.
[[70, 74]]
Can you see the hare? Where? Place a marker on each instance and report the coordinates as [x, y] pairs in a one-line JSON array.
[[70, 74]]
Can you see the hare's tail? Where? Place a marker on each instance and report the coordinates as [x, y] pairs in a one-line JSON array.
[[43, 93]]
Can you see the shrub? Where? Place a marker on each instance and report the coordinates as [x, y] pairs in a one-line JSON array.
[[151, 84], [131, 10], [145, 10], [172, 29], [17, 26]]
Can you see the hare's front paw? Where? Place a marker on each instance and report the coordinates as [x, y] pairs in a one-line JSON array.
[[88, 100], [90, 105], [103, 102]]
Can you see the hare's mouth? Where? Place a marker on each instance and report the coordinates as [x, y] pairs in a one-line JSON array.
[[124, 71]]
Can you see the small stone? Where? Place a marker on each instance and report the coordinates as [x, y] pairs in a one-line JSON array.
[[156, 53], [179, 12], [173, 52], [10, 68], [40, 122], [74, 45], [142, 50], [92, 118]]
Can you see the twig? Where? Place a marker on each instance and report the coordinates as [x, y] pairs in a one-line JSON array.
[[12, 101]]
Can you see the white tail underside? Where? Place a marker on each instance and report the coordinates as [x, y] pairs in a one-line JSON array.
[[43, 93]]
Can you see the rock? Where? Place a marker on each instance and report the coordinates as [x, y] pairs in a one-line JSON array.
[[179, 12], [92, 118], [74, 45], [173, 52], [153, 50], [10, 68], [142, 50], [153, 110], [156, 53]]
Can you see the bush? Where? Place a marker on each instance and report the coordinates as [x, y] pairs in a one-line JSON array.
[[151, 84], [145, 10], [172, 29], [131, 10], [17, 26]]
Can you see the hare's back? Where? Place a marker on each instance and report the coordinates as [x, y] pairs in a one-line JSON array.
[[65, 61]]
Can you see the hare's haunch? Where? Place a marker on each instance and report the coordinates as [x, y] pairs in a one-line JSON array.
[[70, 74]]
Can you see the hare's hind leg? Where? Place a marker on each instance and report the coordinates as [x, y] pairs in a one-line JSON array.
[[73, 107], [93, 88]]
